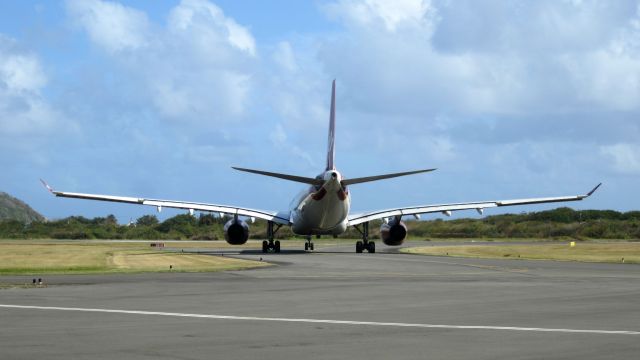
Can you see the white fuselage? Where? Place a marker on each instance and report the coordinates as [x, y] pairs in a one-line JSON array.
[[321, 210]]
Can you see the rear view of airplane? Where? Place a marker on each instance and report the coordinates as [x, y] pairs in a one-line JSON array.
[[322, 208]]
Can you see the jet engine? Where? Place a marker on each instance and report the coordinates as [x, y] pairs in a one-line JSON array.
[[236, 232], [393, 232]]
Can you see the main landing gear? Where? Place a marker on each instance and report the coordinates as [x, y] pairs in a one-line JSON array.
[[309, 244], [269, 245], [365, 244]]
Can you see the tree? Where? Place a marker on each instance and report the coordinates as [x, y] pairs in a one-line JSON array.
[[183, 224], [111, 220], [147, 220], [209, 220]]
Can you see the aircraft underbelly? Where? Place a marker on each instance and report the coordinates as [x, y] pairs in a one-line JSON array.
[[321, 217]]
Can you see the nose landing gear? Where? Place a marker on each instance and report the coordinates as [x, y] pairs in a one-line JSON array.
[[309, 244]]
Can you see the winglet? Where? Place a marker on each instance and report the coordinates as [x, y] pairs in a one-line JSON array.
[[46, 186], [593, 190]]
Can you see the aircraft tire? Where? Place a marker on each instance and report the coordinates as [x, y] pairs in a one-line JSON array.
[[306, 246], [359, 247], [277, 246], [265, 246], [371, 247]]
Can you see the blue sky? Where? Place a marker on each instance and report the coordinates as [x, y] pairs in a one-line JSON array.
[[158, 99]]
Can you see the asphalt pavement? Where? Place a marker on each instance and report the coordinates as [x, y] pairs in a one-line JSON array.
[[332, 304]]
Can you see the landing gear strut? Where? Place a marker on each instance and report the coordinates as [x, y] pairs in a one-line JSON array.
[[365, 244], [269, 245], [309, 244]]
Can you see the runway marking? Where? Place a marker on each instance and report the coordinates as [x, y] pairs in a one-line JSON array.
[[366, 275], [321, 321]]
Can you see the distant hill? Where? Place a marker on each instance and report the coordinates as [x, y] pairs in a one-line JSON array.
[[15, 209]]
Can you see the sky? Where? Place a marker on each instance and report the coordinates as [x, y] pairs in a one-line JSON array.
[[159, 99]]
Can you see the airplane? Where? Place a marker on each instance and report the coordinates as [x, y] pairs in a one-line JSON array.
[[322, 208]]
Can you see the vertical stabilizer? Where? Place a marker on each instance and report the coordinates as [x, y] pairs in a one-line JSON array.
[[332, 129]]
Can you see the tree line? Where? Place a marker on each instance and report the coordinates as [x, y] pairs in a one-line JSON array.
[[560, 223]]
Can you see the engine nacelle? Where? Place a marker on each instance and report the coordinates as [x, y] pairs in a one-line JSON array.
[[236, 232], [393, 233]]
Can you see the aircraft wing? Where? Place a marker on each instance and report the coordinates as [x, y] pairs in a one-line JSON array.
[[276, 217], [448, 208]]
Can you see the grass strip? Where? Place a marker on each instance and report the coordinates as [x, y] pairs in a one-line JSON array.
[[84, 258], [619, 252]]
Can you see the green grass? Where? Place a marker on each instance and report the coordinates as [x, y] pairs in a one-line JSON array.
[[609, 252]]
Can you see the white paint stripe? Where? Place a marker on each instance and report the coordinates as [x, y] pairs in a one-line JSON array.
[[337, 322]]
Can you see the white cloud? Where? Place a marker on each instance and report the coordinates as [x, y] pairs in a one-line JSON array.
[[392, 14], [20, 72], [203, 19], [197, 69], [472, 57], [625, 157], [23, 111], [111, 25]]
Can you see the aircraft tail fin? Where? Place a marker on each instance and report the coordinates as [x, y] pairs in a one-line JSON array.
[[332, 129]]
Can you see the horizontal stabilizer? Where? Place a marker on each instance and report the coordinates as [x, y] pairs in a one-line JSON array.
[[381, 177], [300, 179]]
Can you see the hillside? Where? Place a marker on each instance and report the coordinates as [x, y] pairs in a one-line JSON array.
[[15, 209]]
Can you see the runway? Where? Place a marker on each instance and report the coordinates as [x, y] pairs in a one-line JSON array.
[[333, 304]]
